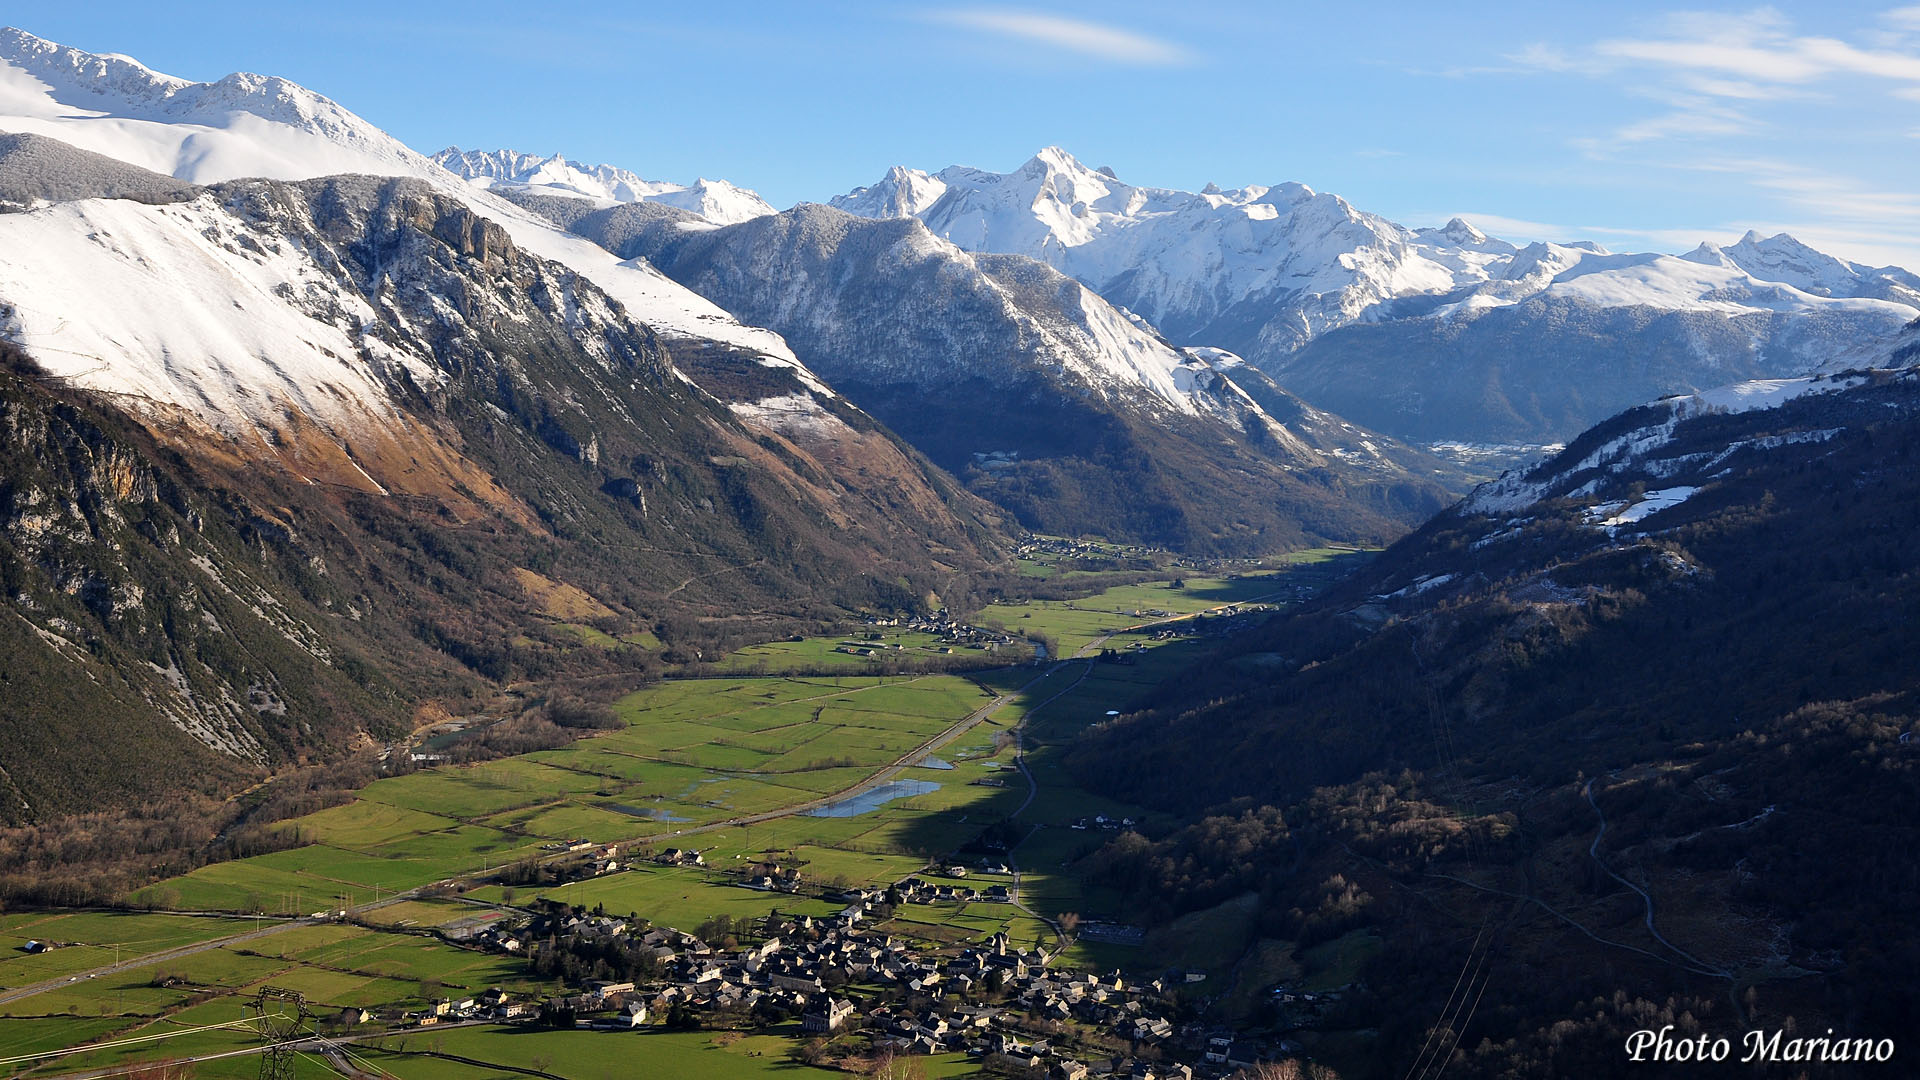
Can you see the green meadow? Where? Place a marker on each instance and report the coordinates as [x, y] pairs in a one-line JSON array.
[[692, 759]]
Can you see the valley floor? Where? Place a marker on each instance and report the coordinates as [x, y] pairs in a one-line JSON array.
[[837, 784]]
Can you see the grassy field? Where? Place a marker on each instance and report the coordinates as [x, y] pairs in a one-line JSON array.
[[692, 756], [692, 753], [96, 939], [887, 643], [334, 965], [1076, 624], [609, 1055]]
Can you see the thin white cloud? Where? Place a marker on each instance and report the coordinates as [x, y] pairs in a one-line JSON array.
[[1743, 55], [1540, 56], [1717, 72], [1739, 89], [1515, 229], [1835, 198], [1089, 39], [1694, 120]]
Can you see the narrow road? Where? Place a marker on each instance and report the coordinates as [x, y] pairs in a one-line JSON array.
[[1033, 789], [326, 1046], [1699, 966]]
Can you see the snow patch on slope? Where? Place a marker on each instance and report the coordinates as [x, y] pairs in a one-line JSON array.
[[179, 305], [1517, 491], [251, 125]]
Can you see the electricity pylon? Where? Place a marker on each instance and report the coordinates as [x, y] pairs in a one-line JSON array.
[[282, 1015]]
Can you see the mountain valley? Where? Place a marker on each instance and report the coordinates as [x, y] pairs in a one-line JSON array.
[[986, 624]]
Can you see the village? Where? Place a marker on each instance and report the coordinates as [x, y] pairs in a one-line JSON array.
[[948, 633], [852, 988], [866, 990]]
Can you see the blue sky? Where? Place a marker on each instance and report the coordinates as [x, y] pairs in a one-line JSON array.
[[1646, 126]]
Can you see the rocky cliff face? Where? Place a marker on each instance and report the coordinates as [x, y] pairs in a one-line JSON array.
[[315, 500]]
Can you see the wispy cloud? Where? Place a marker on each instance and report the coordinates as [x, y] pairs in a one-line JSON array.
[[1076, 36], [1717, 73], [1696, 118], [1832, 211], [1836, 198], [1750, 55]]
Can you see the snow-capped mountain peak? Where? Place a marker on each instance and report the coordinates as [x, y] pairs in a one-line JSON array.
[[1785, 259], [1267, 270], [248, 125], [241, 125], [1461, 231], [716, 200]]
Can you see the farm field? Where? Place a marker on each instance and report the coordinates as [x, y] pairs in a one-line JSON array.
[[693, 753], [694, 757], [589, 1056], [94, 939], [1075, 624], [888, 644], [335, 965]]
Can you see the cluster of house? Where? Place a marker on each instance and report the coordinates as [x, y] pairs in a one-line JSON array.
[[1075, 549], [858, 648], [595, 859], [913, 890], [1103, 823], [939, 624], [773, 879], [495, 1004], [801, 969]]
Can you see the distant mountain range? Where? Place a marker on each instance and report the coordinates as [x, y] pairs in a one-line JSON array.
[[715, 200], [1423, 333]]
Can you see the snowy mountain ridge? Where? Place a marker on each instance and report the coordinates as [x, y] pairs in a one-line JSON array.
[[1264, 270], [1634, 448], [715, 200], [251, 125]]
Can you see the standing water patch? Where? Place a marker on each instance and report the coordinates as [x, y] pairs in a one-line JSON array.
[[868, 801]]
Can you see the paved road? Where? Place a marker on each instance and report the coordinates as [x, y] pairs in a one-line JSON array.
[[308, 1046]]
